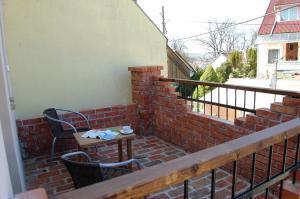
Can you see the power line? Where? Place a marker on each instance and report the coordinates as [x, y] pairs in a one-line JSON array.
[[236, 24], [250, 24]]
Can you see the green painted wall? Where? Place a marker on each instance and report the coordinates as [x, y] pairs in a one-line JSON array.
[[75, 53]]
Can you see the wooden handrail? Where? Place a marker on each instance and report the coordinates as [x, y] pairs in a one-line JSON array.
[[158, 177], [232, 86]]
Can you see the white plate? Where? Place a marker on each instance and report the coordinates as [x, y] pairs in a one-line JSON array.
[[126, 132]]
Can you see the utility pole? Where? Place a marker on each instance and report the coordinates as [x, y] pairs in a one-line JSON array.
[[163, 20]]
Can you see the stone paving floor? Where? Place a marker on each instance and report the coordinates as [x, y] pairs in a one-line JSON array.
[[54, 177]]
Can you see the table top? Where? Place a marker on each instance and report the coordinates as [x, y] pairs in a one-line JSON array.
[[86, 142]]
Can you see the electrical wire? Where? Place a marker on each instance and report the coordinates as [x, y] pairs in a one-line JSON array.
[[236, 24]]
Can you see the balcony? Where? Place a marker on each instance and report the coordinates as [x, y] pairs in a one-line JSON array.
[[187, 153], [54, 177], [289, 66]]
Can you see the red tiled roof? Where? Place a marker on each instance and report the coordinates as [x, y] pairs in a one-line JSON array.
[[285, 2], [287, 27], [280, 27]]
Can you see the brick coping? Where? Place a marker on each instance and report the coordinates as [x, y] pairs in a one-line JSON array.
[[145, 69]]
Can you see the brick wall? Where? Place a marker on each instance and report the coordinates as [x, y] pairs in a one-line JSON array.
[[174, 121], [35, 135], [143, 94]]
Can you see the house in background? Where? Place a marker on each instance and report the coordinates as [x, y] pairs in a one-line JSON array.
[[278, 38], [222, 58], [178, 67]]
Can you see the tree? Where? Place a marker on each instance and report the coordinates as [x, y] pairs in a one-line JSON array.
[[188, 90], [224, 72], [223, 37], [247, 68], [235, 58], [251, 66], [209, 75], [180, 47]]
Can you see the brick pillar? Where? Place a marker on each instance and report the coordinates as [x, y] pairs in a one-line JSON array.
[[142, 83]]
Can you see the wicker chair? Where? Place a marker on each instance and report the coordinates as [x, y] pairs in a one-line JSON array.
[[88, 172], [56, 126]]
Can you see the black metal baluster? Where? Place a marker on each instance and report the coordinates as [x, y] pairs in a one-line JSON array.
[[254, 103], [296, 158], [184, 92], [235, 103], [191, 97], [252, 179], [269, 169], [211, 106], [283, 167], [245, 93], [186, 189], [212, 190], [198, 99], [219, 102], [204, 98], [226, 103], [234, 173]]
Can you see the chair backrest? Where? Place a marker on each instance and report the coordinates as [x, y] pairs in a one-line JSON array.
[[56, 127], [83, 173]]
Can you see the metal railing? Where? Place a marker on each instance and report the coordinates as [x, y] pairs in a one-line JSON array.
[[156, 178], [234, 99]]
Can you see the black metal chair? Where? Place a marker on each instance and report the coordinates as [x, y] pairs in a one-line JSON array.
[[88, 172], [56, 125]]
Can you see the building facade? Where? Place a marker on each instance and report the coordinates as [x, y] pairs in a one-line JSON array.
[[76, 54], [278, 38]]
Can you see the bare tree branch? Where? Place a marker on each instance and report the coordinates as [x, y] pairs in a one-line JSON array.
[[223, 37]]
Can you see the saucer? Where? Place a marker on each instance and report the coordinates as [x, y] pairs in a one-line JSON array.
[[126, 132]]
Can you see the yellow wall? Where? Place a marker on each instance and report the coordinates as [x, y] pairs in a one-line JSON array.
[[75, 53]]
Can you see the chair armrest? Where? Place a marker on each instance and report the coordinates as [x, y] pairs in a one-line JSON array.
[[61, 121], [69, 155], [118, 164], [77, 113]]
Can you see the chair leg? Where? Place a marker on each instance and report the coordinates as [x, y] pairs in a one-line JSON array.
[[53, 147]]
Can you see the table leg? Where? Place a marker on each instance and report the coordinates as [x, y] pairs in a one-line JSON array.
[[129, 152], [79, 158], [120, 150]]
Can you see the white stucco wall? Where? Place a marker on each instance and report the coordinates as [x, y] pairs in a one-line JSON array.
[[11, 166], [263, 68], [5, 182], [75, 54]]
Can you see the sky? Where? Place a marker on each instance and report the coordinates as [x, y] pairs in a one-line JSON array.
[[183, 16]]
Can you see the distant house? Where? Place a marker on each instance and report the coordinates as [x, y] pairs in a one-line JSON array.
[[278, 38], [178, 67], [222, 58]]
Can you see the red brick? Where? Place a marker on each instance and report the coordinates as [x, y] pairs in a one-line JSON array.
[[290, 101], [285, 118], [32, 121], [290, 190], [145, 69], [267, 113], [280, 108], [240, 121]]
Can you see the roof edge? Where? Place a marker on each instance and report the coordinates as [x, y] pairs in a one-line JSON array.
[[141, 9]]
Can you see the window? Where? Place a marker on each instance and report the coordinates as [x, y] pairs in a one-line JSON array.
[[291, 52], [289, 14], [273, 56]]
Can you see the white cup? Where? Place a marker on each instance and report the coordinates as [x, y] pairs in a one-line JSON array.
[[126, 128]]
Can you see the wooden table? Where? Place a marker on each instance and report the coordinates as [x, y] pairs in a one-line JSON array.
[[87, 142]]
